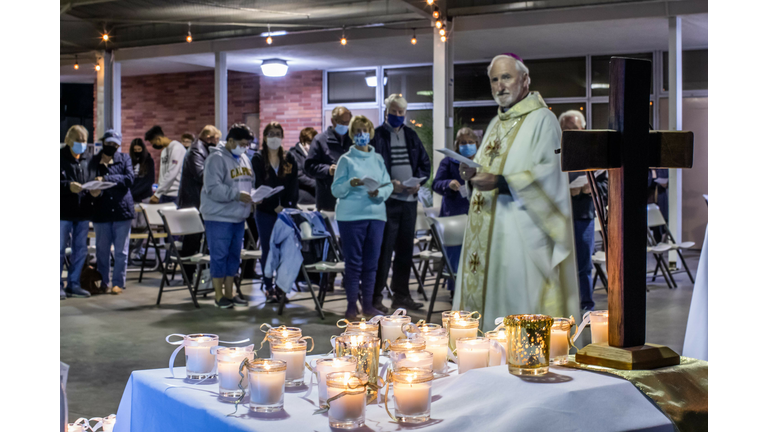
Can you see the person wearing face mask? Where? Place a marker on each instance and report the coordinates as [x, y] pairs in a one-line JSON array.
[[405, 157], [191, 185], [73, 213], [171, 158], [112, 210], [362, 215], [273, 167], [225, 203], [300, 152], [143, 171], [324, 153], [448, 183]]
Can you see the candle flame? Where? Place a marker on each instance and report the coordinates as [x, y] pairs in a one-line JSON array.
[[266, 366], [408, 345], [336, 363], [288, 345], [409, 378], [362, 326]]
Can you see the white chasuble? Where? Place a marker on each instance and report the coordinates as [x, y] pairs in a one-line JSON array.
[[518, 255]]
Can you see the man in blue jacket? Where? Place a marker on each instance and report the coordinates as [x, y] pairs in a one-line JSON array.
[[324, 153], [405, 157]]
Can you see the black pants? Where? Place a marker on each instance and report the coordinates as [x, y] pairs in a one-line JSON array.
[[398, 238], [249, 266]]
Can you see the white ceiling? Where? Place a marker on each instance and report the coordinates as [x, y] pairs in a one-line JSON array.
[[540, 41]]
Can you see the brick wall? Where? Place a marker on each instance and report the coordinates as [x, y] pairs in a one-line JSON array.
[[295, 101], [181, 102]]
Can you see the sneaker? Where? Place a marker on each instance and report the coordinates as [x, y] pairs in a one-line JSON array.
[[116, 290], [379, 306], [77, 292], [63, 294], [407, 303], [280, 294], [224, 303], [238, 301]]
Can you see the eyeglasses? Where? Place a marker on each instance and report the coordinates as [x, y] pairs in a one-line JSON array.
[[274, 134]]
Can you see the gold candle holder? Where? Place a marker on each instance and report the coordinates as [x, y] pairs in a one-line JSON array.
[[367, 327], [408, 345], [528, 343], [460, 328], [364, 348]]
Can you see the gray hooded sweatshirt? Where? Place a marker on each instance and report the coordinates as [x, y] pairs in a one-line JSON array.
[[224, 177]]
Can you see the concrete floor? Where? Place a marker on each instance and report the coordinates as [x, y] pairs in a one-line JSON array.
[[106, 337]]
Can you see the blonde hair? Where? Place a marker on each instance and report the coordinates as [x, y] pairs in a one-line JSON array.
[[465, 131], [397, 99], [358, 119], [210, 130], [74, 133]]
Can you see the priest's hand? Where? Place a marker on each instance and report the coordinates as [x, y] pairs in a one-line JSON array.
[[485, 182], [454, 185], [397, 186], [466, 172]]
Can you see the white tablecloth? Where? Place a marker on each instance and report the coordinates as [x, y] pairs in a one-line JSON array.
[[489, 399]]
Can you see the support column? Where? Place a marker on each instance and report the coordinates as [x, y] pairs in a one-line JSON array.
[[107, 95], [675, 190], [442, 111], [220, 93], [117, 98]]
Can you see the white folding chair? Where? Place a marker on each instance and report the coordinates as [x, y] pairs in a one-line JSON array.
[[183, 222], [154, 232], [447, 232], [656, 219]]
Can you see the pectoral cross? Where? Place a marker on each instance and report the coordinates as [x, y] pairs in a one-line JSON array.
[[627, 152], [492, 150]]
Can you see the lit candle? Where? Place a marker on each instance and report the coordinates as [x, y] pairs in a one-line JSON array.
[[437, 344], [447, 315], [412, 360], [405, 345], [558, 341], [229, 361], [326, 366], [348, 411], [472, 353], [200, 362], [498, 353], [392, 327], [462, 328], [267, 384], [364, 348], [282, 334], [293, 353], [599, 326], [412, 391]]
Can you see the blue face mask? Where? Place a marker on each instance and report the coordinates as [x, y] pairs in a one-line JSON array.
[[362, 139], [341, 129], [395, 121], [468, 150], [79, 148]]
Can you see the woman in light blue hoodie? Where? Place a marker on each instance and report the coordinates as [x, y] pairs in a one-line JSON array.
[[361, 214], [225, 203]]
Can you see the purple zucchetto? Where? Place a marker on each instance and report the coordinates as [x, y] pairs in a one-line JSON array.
[[514, 56]]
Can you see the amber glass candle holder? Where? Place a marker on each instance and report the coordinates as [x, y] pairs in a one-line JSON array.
[[364, 348], [528, 343]]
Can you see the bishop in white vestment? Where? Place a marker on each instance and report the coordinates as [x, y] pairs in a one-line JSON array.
[[518, 255]]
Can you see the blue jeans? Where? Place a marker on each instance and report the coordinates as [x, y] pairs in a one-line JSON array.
[[77, 232], [265, 223], [166, 199], [225, 241], [108, 234], [454, 253], [584, 238], [361, 245]]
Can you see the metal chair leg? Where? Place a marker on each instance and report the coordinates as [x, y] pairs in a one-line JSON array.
[[421, 283], [687, 270], [434, 293]]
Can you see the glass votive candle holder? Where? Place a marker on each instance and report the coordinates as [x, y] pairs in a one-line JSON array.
[[280, 334], [559, 341], [437, 344], [371, 328], [460, 328], [447, 315], [228, 362], [412, 360], [199, 360], [365, 349], [330, 365], [598, 326], [528, 344], [413, 330], [498, 353], [472, 353], [405, 345], [266, 384], [348, 411], [392, 327], [412, 391], [293, 352]]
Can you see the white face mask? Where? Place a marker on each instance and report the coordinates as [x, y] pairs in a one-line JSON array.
[[274, 143], [237, 151]]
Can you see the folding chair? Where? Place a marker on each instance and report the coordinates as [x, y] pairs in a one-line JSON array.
[[655, 218], [446, 232], [180, 223], [154, 221], [423, 240], [248, 254]]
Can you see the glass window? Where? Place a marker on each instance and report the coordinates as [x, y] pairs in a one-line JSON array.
[[694, 70], [558, 109], [349, 87], [371, 113], [421, 122], [563, 77], [476, 118], [471, 82], [415, 84], [600, 115], [600, 83]]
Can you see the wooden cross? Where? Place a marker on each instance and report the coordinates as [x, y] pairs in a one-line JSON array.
[[627, 151]]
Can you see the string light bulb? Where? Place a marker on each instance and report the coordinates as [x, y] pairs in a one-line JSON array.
[[443, 38], [442, 32], [98, 67], [269, 35], [436, 13], [429, 2], [189, 32], [413, 39], [438, 24], [343, 36], [105, 37], [77, 66]]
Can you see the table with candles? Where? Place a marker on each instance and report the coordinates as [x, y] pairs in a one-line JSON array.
[[418, 374]]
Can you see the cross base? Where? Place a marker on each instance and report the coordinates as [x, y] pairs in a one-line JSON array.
[[648, 356]]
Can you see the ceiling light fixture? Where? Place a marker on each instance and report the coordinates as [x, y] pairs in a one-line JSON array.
[[274, 67], [371, 81], [600, 86]]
